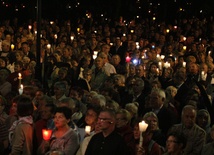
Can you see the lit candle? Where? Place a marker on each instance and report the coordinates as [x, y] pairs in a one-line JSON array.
[[162, 57], [142, 127], [12, 46], [132, 31], [160, 65], [158, 56], [209, 53], [87, 129], [51, 22], [184, 64], [202, 73], [94, 56], [21, 89], [46, 134], [157, 71], [49, 46], [184, 48], [167, 30], [111, 44], [128, 59], [124, 34], [95, 52], [184, 38], [78, 29], [20, 78], [55, 36], [29, 27], [72, 38]]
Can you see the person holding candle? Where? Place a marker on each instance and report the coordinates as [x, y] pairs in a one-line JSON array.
[[108, 141], [63, 138], [149, 146]]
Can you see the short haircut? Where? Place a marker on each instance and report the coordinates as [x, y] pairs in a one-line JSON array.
[[65, 111], [24, 106], [51, 106], [111, 112], [126, 114], [180, 138], [191, 107], [150, 114]]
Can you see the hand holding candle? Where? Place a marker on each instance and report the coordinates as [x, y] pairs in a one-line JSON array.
[[142, 127], [88, 129], [46, 134]]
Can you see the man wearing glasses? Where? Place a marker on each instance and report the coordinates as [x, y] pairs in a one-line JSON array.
[[107, 142]]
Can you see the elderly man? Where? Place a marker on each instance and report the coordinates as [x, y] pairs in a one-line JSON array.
[[107, 142], [98, 74], [195, 135], [166, 117]]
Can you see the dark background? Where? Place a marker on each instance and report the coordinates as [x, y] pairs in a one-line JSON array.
[[74, 9]]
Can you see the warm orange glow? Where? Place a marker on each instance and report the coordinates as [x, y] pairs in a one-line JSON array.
[[46, 134]]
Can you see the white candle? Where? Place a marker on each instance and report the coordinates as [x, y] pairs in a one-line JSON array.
[[21, 89], [20, 78], [162, 57], [87, 129], [49, 46], [160, 65], [184, 64], [29, 27], [142, 127], [94, 56], [95, 52], [202, 73], [72, 38]]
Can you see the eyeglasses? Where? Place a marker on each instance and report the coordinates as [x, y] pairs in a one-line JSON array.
[[104, 119]]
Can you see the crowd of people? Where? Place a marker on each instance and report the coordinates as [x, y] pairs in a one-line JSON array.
[[107, 76]]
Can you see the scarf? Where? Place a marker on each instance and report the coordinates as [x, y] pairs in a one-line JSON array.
[[21, 120]]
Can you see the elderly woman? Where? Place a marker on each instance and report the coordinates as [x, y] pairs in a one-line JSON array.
[[153, 130], [133, 110], [170, 102], [64, 138], [149, 146], [123, 118]]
